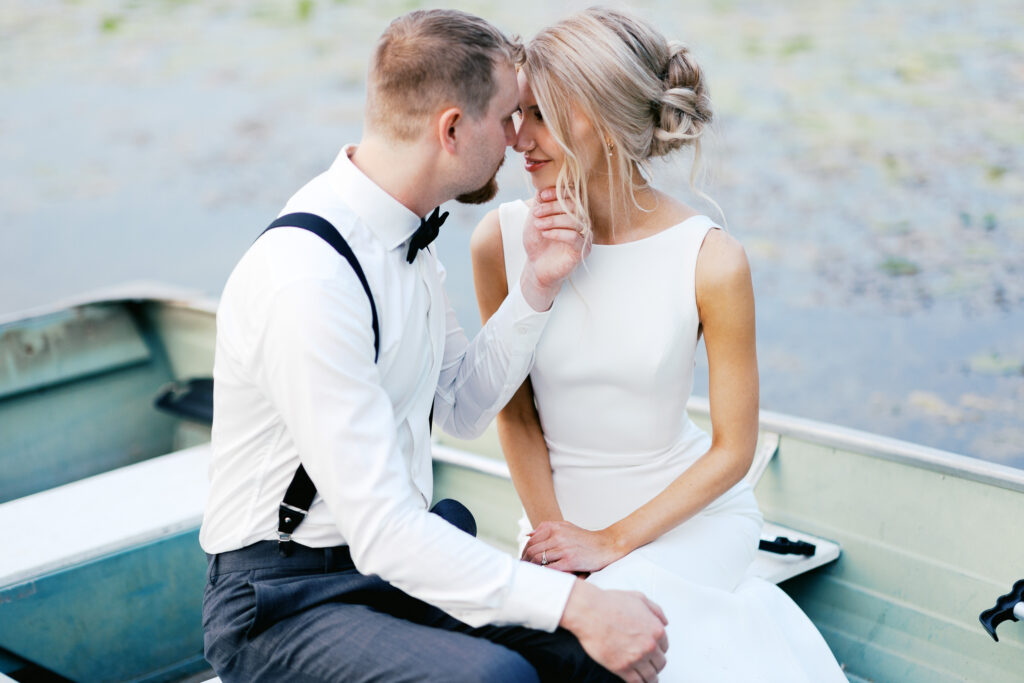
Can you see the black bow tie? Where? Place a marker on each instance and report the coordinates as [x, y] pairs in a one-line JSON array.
[[426, 233]]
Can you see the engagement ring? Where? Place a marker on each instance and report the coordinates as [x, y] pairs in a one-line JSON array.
[[544, 558]]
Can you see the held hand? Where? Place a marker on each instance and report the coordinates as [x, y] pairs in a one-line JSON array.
[[554, 247], [622, 631], [568, 548]]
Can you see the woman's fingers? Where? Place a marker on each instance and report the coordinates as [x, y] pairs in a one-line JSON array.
[[564, 235], [565, 564], [557, 220], [547, 552], [538, 553], [544, 209]]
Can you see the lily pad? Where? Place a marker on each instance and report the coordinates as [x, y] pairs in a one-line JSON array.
[[995, 172], [797, 44], [898, 266], [996, 364], [110, 24]]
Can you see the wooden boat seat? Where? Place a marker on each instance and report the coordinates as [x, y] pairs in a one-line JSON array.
[[102, 514]]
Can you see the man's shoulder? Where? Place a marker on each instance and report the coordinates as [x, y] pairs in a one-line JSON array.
[[286, 255], [295, 258], [291, 258]]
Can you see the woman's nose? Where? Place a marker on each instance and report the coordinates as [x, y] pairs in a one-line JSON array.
[[524, 141]]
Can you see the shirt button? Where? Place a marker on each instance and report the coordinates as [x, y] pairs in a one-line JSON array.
[[522, 329]]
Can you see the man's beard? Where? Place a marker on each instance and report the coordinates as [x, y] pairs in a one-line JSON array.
[[485, 193]]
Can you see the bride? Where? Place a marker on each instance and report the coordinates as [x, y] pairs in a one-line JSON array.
[[617, 482]]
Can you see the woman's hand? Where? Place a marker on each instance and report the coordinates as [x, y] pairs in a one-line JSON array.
[[568, 548], [554, 246]]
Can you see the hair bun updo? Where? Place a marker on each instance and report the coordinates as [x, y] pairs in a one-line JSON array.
[[684, 108], [643, 96]]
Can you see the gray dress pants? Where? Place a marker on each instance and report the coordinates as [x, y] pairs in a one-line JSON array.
[[312, 617]]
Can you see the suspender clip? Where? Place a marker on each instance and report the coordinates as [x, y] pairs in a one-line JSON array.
[[288, 518], [284, 544]]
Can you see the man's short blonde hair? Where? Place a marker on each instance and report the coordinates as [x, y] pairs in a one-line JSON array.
[[429, 59]]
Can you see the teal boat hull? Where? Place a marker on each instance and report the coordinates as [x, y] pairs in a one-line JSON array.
[[134, 615]]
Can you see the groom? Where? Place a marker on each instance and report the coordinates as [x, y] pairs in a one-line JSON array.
[[369, 584]]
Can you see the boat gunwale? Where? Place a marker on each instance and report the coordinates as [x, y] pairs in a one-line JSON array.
[[173, 296], [881, 447], [817, 433]]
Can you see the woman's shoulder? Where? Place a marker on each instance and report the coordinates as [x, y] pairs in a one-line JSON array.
[[488, 242], [716, 246], [485, 243], [721, 262], [673, 216]]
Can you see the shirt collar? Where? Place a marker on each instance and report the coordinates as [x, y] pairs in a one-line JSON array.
[[388, 218]]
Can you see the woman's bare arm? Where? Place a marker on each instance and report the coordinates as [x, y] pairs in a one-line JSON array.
[[725, 303]]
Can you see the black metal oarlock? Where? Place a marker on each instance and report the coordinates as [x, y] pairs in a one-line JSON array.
[[783, 546], [1009, 607]]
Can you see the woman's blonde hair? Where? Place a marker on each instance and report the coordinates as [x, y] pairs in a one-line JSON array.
[[644, 96]]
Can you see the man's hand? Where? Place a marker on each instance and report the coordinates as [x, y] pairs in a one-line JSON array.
[[622, 631], [554, 247], [568, 548]]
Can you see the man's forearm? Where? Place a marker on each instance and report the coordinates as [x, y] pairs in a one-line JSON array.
[[479, 377]]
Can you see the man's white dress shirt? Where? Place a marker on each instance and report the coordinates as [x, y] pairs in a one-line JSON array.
[[295, 374]]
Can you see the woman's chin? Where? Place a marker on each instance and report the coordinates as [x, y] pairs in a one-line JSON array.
[[539, 181]]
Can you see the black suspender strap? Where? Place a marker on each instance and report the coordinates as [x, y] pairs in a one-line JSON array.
[[327, 232], [301, 491]]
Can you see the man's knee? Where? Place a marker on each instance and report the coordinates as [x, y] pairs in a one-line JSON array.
[[456, 514]]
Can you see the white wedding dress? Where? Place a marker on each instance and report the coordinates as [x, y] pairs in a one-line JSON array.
[[613, 373]]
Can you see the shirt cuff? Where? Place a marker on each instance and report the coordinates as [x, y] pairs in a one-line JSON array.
[[538, 597], [525, 323]]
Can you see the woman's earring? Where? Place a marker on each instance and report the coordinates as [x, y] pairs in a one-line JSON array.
[[611, 148]]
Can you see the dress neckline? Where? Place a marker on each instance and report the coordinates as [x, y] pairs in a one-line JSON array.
[[657, 234]]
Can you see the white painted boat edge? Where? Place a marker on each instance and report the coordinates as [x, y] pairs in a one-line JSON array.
[[884, 447], [129, 291]]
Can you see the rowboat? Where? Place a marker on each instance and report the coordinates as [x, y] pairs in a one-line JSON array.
[[103, 580], [930, 540], [101, 576]]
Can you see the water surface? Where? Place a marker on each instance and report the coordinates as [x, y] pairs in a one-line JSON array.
[[868, 155]]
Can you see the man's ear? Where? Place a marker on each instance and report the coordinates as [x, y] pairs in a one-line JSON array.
[[447, 125]]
